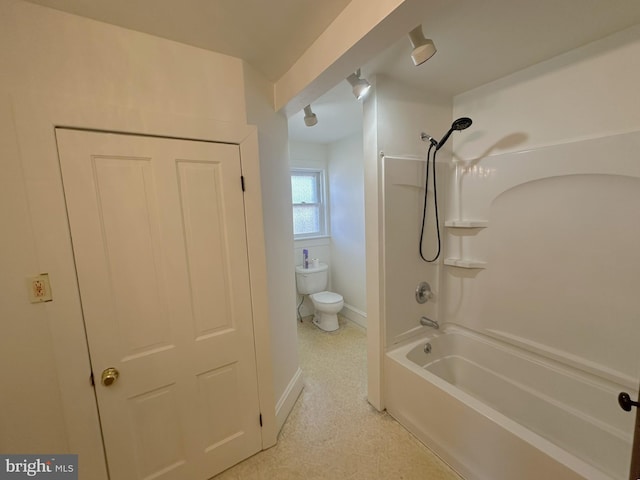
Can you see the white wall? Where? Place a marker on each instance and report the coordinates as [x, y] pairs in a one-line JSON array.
[[346, 180], [585, 93], [30, 407], [278, 228], [553, 152], [66, 55], [148, 81]]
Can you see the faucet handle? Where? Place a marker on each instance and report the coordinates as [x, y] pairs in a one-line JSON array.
[[423, 292]]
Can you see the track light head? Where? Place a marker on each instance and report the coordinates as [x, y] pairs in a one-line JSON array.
[[423, 48], [310, 118], [359, 85]]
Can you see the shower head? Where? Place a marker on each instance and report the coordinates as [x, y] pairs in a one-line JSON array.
[[459, 124]]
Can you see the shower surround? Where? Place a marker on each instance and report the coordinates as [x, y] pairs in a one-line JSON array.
[[540, 259], [524, 358]]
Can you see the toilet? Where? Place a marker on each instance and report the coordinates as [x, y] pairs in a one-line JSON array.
[[313, 281]]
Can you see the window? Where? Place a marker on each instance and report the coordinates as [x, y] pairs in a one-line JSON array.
[[307, 192]]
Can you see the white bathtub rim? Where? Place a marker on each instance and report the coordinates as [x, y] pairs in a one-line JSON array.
[[627, 437], [540, 355], [602, 373], [571, 461]]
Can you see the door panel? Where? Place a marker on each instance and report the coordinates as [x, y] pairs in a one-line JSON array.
[[126, 202], [152, 416], [208, 274], [160, 247]]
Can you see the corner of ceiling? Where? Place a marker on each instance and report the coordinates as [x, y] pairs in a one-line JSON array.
[[354, 37]]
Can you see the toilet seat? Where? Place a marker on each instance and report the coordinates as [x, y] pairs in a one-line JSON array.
[[327, 297]]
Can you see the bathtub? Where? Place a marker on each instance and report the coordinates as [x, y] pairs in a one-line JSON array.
[[496, 412]]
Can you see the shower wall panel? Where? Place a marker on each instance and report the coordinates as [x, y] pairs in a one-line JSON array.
[[561, 253], [552, 164], [404, 183]]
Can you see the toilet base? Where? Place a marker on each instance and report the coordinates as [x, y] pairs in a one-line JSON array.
[[326, 321]]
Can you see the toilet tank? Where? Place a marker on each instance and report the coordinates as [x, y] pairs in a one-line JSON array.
[[312, 279]]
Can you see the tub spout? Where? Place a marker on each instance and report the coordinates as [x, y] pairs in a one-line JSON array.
[[427, 322]]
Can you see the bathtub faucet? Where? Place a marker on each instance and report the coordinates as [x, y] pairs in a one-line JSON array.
[[427, 322]]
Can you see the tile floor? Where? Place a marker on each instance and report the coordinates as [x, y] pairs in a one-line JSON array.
[[332, 432]]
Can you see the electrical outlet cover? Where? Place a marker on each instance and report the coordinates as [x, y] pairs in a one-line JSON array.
[[39, 288]]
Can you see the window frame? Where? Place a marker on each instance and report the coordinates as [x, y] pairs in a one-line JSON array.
[[322, 204]]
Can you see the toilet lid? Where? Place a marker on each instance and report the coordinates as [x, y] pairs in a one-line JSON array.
[[327, 297]]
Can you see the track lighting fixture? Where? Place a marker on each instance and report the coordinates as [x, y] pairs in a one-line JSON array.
[[423, 48], [310, 118], [360, 85]]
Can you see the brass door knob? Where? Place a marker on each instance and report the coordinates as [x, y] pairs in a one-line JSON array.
[[109, 376]]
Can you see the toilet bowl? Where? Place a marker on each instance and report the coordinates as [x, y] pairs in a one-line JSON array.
[[313, 281], [327, 305]]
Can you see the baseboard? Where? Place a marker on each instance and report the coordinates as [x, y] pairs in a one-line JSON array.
[[356, 316], [288, 399]]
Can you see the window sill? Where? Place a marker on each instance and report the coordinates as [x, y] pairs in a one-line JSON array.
[[317, 237]]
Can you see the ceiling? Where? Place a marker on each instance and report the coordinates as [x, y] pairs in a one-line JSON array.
[[477, 41]]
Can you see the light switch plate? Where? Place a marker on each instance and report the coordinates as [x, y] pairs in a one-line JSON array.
[[39, 288]]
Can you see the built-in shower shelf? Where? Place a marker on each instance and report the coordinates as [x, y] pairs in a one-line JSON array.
[[466, 223], [464, 263]]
